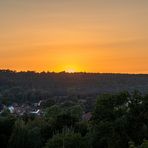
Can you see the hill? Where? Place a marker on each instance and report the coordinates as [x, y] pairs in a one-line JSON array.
[[42, 85]]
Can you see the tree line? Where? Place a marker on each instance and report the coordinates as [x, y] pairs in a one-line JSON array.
[[32, 86], [118, 121]]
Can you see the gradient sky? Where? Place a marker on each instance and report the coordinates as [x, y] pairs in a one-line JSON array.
[[74, 35]]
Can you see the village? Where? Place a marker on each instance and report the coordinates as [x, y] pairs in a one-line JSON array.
[[22, 109], [35, 109]]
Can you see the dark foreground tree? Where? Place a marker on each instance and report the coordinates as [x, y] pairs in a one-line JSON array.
[[118, 119], [19, 136], [67, 139], [24, 137]]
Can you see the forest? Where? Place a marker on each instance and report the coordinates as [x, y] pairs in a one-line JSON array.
[[79, 110], [31, 86], [118, 121]]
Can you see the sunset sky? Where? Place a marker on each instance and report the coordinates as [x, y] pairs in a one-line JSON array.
[[74, 35]]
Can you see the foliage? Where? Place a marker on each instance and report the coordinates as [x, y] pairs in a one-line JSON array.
[[67, 139], [144, 144], [118, 121]]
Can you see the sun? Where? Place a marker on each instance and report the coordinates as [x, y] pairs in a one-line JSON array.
[[70, 70]]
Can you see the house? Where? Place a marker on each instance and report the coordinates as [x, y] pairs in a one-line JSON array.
[[87, 116], [37, 112], [11, 109]]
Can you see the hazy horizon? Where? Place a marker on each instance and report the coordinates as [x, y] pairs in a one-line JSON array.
[[108, 36], [71, 72]]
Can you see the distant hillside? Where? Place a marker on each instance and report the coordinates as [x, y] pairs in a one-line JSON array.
[[14, 84]]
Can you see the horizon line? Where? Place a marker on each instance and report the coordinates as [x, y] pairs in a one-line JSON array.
[[76, 72]]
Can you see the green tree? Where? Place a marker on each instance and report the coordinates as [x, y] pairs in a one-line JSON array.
[[67, 139], [19, 137], [53, 111], [6, 126], [24, 136], [76, 111], [132, 144], [144, 144], [110, 122]]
